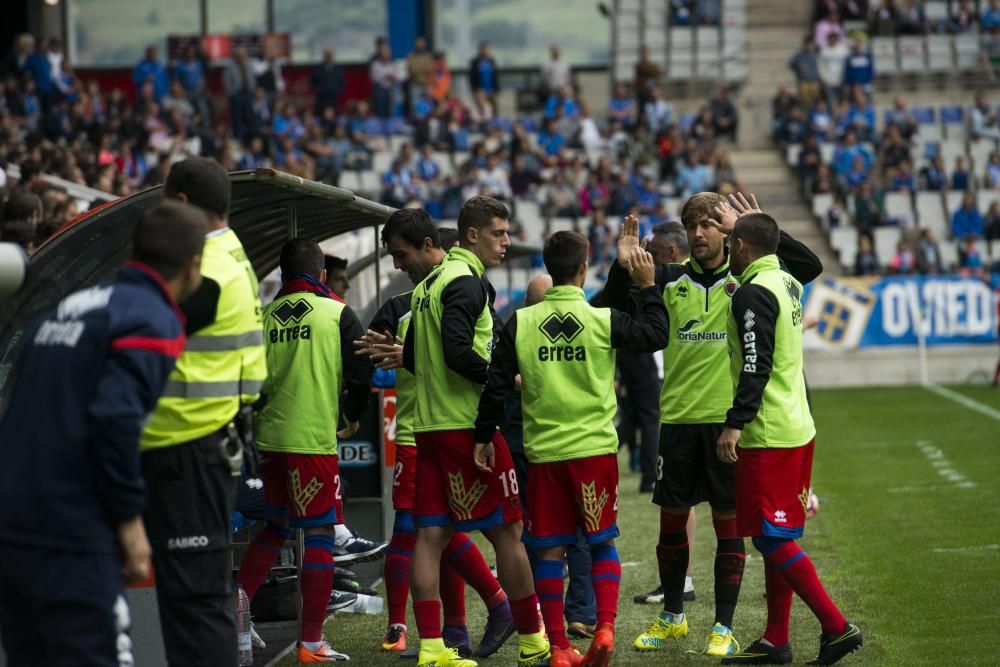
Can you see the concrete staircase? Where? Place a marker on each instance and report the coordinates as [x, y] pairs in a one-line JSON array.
[[774, 31], [764, 173]]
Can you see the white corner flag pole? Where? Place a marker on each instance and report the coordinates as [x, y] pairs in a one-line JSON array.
[[922, 345]]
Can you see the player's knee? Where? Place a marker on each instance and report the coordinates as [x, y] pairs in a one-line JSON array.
[[436, 537], [555, 553], [767, 545], [673, 521], [504, 534]]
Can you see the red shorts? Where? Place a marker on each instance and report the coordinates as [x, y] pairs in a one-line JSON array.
[[772, 491], [453, 492], [305, 488], [404, 478], [566, 495]]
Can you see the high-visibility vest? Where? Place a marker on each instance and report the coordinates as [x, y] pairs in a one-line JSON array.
[[305, 375], [783, 419], [223, 364], [446, 401], [567, 365]]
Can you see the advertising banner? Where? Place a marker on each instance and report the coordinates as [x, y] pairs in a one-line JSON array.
[[852, 313]]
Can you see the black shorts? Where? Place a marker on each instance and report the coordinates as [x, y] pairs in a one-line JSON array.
[[687, 470]]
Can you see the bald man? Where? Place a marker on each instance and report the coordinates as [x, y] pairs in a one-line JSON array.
[[536, 289], [580, 609]]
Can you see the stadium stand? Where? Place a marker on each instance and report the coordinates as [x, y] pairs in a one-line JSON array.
[[917, 161]]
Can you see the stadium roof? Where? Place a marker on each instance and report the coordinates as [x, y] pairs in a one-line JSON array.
[[268, 207]]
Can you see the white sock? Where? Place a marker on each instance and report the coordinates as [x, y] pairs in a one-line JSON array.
[[341, 535], [312, 646], [688, 584]]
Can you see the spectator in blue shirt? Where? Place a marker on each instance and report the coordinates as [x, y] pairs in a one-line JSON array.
[[622, 107], [561, 105], [483, 72], [861, 115], [151, 69], [970, 260], [843, 157], [694, 176], [821, 121], [860, 70], [550, 140], [967, 220], [960, 176], [427, 168], [648, 197], [991, 16], [902, 179], [38, 65], [933, 176], [857, 174], [190, 72]]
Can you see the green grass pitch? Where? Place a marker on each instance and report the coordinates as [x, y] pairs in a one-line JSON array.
[[906, 540]]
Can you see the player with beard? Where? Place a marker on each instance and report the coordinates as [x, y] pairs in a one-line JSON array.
[[697, 392]]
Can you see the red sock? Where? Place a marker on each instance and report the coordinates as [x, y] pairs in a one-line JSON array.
[[452, 595], [779, 605], [549, 588], [606, 574], [800, 574], [397, 567], [262, 554], [464, 556], [525, 613], [428, 614], [316, 583]]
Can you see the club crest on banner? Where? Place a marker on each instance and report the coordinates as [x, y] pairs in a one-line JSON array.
[[842, 308]]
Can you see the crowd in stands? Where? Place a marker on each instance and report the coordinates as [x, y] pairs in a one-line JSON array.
[[575, 162], [888, 18], [832, 106]]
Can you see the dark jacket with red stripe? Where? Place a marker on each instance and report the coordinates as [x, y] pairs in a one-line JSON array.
[[89, 374]]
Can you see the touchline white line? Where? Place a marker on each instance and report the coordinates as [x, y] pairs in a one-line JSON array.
[[964, 400]]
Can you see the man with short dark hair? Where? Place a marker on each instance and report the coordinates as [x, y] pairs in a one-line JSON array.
[[561, 347], [771, 425], [191, 448], [307, 334], [336, 275], [71, 488], [412, 241], [448, 347]]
